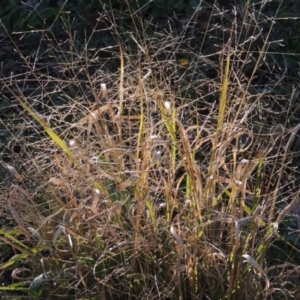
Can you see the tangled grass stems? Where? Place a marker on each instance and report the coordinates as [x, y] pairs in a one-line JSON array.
[[153, 181]]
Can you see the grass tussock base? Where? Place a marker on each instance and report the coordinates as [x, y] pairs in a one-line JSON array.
[[155, 172]]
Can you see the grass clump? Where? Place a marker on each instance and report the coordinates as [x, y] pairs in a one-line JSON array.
[[159, 166]]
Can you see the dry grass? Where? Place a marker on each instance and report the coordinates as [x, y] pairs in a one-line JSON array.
[[154, 181]]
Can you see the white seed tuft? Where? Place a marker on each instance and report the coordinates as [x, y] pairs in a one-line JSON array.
[[167, 105]]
